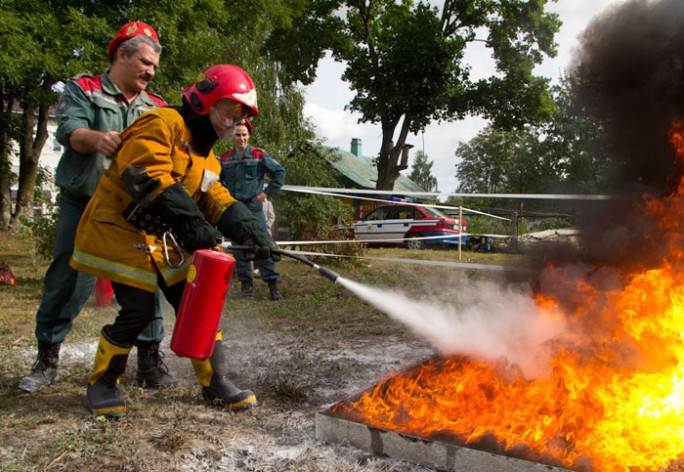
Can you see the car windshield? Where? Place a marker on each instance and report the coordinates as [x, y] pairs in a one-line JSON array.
[[434, 212]]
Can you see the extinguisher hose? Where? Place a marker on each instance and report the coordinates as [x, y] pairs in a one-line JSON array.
[[325, 272]]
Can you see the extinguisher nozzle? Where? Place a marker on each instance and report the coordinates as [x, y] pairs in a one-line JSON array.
[[329, 274]]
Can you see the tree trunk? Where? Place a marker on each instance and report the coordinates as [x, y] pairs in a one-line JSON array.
[[5, 201], [29, 154], [388, 162], [388, 170], [6, 103]]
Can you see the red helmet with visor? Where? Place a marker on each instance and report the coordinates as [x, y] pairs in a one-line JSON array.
[[222, 81]]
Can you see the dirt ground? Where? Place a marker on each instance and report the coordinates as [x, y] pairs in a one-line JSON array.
[[318, 346], [308, 377], [293, 377]]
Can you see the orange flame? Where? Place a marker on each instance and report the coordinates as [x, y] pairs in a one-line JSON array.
[[615, 401]]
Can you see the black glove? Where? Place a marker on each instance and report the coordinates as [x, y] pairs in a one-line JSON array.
[[196, 234], [240, 225], [188, 225]]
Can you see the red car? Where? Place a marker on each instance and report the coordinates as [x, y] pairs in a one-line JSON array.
[[405, 223]]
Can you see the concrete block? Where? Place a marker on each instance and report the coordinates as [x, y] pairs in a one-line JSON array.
[[434, 454]]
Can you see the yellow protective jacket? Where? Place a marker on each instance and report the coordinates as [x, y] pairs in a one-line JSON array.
[[106, 244]]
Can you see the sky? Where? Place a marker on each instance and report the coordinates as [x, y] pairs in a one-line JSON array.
[[327, 96]]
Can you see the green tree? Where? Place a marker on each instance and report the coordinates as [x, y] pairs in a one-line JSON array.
[[421, 173], [566, 155], [310, 216], [577, 140], [281, 127], [46, 42], [38, 51], [500, 161], [405, 60]]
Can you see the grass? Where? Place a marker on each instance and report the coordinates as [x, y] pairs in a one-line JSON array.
[[163, 430], [20, 302], [311, 299]]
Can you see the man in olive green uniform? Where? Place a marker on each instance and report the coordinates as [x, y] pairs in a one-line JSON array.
[[92, 111]]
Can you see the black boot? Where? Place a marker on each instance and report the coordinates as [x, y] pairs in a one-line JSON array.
[[152, 372], [273, 288], [103, 396], [44, 370], [216, 388], [246, 289]]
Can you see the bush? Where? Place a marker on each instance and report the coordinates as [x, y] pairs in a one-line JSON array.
[[41, 231], [346, 251]]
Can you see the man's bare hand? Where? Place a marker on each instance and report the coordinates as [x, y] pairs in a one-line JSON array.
[[108, 143], [259, 198], [86, 141]]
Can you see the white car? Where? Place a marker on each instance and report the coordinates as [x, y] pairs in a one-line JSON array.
[[404, 224]]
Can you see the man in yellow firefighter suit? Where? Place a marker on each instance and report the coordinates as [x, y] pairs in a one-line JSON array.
[[163, 186]]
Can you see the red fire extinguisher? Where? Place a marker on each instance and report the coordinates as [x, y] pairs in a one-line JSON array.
[[199, 315], [104, 293]]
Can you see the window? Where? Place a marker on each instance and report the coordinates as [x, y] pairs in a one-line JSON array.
[[377, 214], [405, 214]]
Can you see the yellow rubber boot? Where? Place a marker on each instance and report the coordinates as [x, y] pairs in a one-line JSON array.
[[103, 394], [216, 388]]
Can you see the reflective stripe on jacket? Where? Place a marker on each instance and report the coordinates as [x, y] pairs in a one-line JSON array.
[[109, 246]]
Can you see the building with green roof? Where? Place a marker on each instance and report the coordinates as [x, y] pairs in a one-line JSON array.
[[356, 171], [359, 171]]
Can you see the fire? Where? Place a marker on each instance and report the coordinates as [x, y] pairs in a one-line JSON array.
[[615, 399]]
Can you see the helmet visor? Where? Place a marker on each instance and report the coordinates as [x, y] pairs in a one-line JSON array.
[[225, 116], [229, 111]]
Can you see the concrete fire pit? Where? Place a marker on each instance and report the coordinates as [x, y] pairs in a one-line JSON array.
[[429, 453]]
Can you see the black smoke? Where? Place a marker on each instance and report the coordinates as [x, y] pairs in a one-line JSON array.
[[629, 76], [629, 72]]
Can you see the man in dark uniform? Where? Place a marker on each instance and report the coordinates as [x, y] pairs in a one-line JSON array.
[[243, 170]]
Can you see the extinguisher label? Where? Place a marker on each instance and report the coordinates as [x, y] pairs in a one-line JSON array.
[[192, 273]]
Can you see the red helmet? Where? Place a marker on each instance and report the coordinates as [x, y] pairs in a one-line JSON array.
[[222, 81], [127, 31]]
